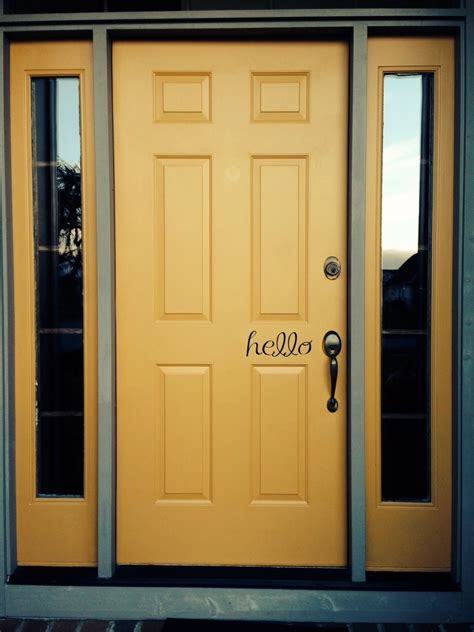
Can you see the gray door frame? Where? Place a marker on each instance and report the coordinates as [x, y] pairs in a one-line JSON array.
[[356, 604]]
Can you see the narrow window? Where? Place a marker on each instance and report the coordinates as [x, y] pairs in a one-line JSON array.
[[57, 227], [406, 286]]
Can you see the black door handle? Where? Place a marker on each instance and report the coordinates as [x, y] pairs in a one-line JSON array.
[[332, 346]]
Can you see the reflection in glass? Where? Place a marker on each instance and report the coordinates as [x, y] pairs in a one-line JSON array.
[[57, 209], [406, 262], [404, 387], [405, 459], [60, 441]]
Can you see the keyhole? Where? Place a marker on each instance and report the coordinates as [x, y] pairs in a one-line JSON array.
[[332, 268]]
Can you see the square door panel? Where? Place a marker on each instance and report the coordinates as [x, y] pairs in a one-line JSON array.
[[280, 96], [182, 97]]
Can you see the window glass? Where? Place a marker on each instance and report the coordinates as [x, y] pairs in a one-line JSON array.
[[57, 208], [407, 153]]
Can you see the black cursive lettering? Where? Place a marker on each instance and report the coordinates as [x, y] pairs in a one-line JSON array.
[[292, 340], [280, 345], [249, 344], [308, 344], [269, 344], [285, 345]]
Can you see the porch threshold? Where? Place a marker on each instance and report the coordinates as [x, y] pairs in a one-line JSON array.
[[232, 577], [201, 625]]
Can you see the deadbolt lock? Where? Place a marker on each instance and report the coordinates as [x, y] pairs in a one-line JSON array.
[[332, 268]]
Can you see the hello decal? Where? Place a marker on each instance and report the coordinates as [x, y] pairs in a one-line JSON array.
[[284, 345]]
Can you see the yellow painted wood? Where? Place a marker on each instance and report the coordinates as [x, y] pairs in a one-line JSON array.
[[412, 536], [225, 213], [279, 434], [184, 431], [279, 273], [183, 216], [50, 531]]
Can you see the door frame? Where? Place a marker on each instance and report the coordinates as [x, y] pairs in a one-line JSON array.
[[326, 604]]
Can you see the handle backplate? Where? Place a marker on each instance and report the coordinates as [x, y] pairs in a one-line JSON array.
[[332, 345]]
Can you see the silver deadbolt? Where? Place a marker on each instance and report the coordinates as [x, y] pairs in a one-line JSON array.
[[332, 268]]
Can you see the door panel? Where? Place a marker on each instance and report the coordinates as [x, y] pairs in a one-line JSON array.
[[230, 179]]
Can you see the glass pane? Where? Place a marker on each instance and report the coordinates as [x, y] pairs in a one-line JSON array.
[[401, 169], [57, 208], [73, 6], [404, 361], [60, 379], [53, 6], [60, 441], [145, 5], [60, 291], [407, 153], [364, 4], [405, 295], [219, 5], [405, 460]]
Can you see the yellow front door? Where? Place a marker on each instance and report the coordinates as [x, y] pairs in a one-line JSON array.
[[230, 173]]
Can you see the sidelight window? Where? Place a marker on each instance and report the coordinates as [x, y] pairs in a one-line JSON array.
[[407, 154], [57, 228]]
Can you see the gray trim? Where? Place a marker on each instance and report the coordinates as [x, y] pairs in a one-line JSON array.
[[257, 604], [356, 302], [311, 27], [74, 31], [457, 301], [3, 349], [265, 14], [6, 318], [105, 302], [467, 322]]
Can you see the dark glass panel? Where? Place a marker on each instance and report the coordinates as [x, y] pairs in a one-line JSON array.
[[144, 5], [365, 4], [220, 5], [58, 6], [404, 374], [405, 294], [57, 209], [43, 98], [60, 442], [53, 6], [313, 4], [60, 291], [61, 383], [406, 4], [426, 161], [405, 460]]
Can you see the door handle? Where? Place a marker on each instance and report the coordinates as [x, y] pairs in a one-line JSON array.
[[332, 346]]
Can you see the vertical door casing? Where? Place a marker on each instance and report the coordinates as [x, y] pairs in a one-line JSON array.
[[50, 531], [230, 173]]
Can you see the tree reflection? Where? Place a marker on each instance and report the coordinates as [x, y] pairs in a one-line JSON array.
[[70, 215]]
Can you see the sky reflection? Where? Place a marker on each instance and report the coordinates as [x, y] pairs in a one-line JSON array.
[[401, 168]]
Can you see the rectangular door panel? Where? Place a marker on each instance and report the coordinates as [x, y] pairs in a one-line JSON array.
[[279, 237], [279, 433], [182, 193]]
